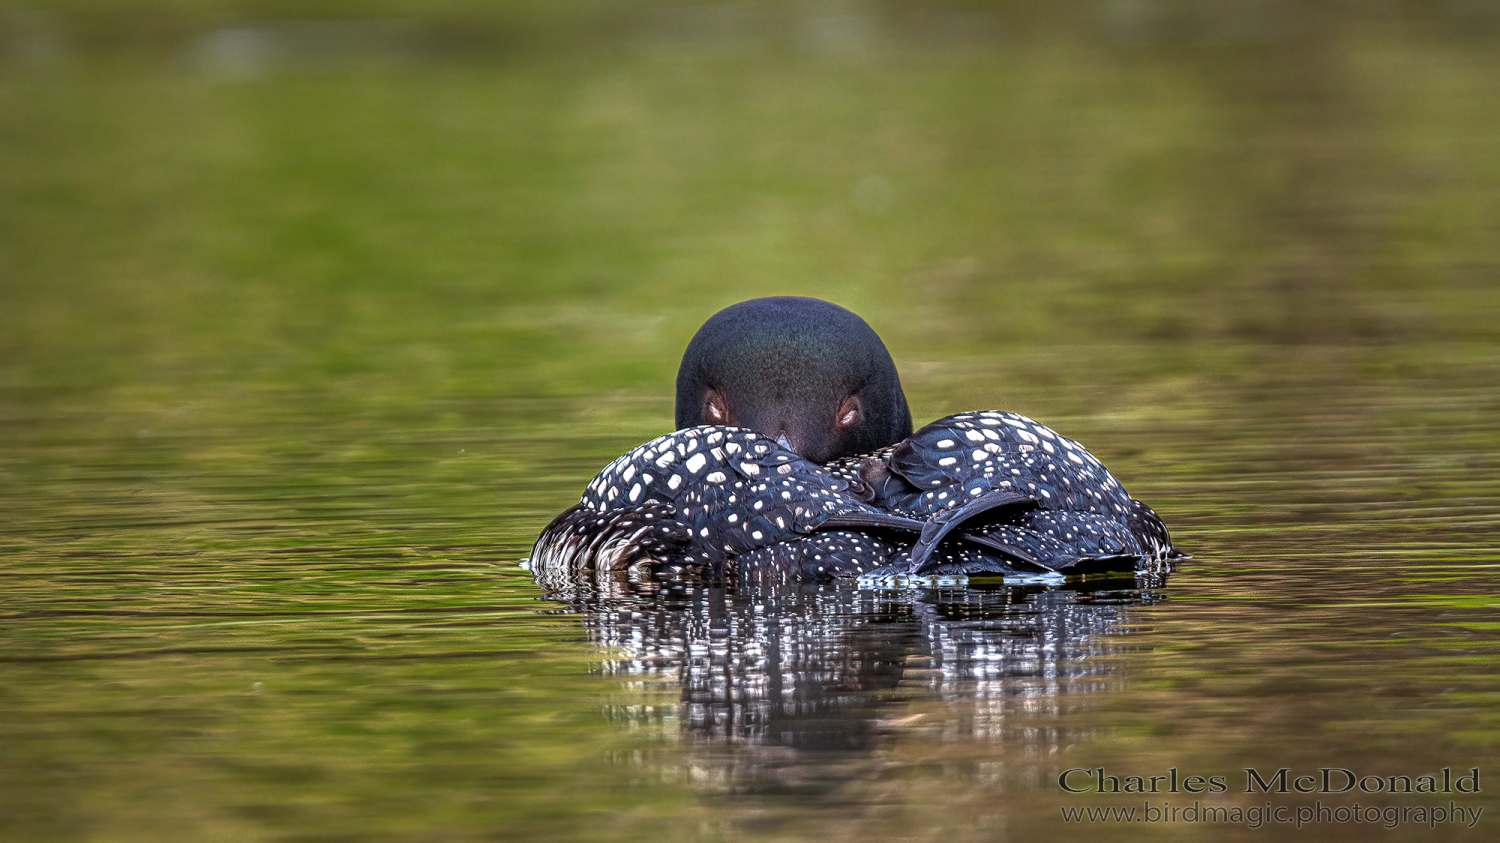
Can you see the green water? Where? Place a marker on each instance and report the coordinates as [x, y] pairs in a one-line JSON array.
[[297, 356]]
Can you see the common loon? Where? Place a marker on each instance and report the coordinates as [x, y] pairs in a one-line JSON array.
[[795, 459]]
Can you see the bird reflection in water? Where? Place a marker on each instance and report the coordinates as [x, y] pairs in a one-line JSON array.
[[800, 671]]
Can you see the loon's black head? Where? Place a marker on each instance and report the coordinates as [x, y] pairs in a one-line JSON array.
[[805, 371]]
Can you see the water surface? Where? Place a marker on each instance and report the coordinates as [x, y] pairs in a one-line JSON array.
[[340, 651]]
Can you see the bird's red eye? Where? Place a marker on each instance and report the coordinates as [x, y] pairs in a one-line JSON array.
[[714, 411], [848, 414]]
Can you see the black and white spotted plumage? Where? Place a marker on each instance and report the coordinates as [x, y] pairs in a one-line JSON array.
[[717, 499], [1031, 490], [730, 502]]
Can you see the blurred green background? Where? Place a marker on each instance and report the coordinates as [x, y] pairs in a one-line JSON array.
[[312, 314], [527, 198]]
